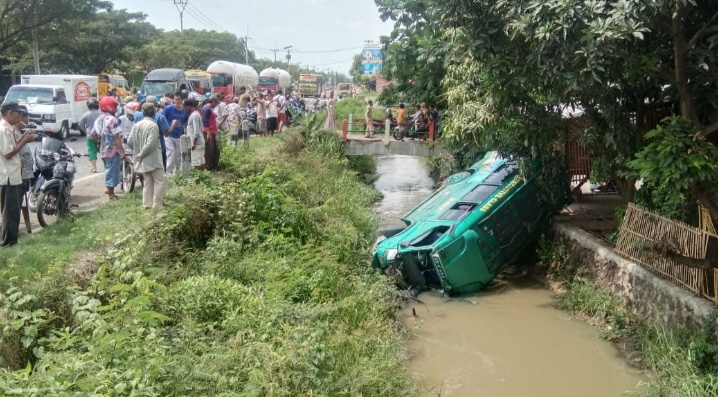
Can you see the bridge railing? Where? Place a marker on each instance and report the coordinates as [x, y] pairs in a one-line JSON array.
[[351, 126]]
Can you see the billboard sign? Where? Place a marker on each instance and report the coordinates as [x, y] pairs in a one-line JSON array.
[[371, 61]]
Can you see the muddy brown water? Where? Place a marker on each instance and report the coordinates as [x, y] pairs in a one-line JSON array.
[[507, 341]]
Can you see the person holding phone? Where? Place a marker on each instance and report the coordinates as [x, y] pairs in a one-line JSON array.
[[10, 171]]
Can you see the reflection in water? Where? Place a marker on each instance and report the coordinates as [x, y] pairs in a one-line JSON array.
[[508, 341], [404, 182]]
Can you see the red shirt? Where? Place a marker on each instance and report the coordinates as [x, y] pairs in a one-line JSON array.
[[209, 120]]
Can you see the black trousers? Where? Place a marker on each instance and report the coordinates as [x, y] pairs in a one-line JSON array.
[[10, 199]]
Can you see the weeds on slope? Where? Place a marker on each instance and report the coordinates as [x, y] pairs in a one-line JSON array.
[[253, 283]]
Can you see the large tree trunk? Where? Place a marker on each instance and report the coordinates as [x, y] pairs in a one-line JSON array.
[[680, 54]]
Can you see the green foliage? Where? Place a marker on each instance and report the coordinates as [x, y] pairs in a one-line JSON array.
[[191, 49], [584, 298], [676, 160], [262, 290]]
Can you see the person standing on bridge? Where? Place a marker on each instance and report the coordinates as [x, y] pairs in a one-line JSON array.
[[369, 119], [10, 171], [330, 124]]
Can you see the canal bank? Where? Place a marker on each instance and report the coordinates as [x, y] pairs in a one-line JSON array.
[[509, 340]]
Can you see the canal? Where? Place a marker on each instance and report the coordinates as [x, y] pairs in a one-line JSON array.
[[507, 341]]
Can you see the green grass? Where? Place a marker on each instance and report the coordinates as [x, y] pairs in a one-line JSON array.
[[71, 239], [251, 281]]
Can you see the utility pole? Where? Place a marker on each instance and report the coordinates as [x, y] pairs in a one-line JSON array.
[[246, 48], [275, 51], [181, 5], [289, 54]]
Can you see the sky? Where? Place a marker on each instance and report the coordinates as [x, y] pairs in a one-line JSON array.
[[324, 34]]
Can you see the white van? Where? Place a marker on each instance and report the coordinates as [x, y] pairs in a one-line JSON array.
[[55, 102]]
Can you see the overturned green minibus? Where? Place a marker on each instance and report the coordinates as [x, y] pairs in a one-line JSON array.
[[460, 237]]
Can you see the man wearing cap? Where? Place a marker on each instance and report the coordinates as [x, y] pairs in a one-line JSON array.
[[162, 123], [26, 160], [10, 171], [144, 141]]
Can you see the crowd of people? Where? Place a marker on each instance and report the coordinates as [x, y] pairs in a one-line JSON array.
[[149, 130], [152, 130]]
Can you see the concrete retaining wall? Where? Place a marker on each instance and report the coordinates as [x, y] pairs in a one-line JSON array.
[[646, 294]]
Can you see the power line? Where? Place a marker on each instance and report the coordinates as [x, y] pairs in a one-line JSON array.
[[328, 51], [206, 18]]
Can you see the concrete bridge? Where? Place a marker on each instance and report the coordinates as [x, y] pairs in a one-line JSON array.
[[355, 144]]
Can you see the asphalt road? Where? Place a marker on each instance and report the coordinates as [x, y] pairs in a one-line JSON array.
[[88, 188]]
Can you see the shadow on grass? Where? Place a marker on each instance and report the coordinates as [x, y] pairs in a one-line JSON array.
[[67, 240]]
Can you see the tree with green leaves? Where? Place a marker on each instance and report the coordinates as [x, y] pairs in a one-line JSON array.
[[101, 42], [524, 75], [191, 49], [414, 53]]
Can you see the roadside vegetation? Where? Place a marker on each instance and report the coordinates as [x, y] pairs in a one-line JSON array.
[[680, 362], [251, 282]]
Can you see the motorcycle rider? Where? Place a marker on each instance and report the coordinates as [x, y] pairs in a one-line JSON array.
[[107, 130]]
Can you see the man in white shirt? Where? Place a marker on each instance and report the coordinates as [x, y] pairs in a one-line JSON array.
[[281, 109], [10, 171], [194, 130], [222, 113]]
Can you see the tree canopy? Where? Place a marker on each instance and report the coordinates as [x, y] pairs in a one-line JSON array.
[[522, 76]]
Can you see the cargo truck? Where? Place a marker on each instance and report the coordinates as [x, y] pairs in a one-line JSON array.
[[229, 77], [161, 82], [310, 86], [273, 79], [55, 102]]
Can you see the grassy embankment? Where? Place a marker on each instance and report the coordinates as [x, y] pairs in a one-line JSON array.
[[251, 282], [681, 363]]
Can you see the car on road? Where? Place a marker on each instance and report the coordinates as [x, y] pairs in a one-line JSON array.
[[467, 231]]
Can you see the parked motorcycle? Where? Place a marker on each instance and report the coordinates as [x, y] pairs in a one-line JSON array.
[[413, 130], [55, 173]]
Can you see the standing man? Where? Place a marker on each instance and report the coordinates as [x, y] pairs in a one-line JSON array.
[[222, 114], [144, 141], [194, 130], [87, 121], [161, 123], [234, 119], [177, 117], [209, 129], [244, 98], [281, 109], [107, 128], [10, 173]]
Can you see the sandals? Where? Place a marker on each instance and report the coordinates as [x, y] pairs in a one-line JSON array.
[[114, 197]]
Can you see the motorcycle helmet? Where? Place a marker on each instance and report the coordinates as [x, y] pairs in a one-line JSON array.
[[108, 104]]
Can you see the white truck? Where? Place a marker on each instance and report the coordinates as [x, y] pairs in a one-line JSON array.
[[273, 79], [229, 77], [56, 102]]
